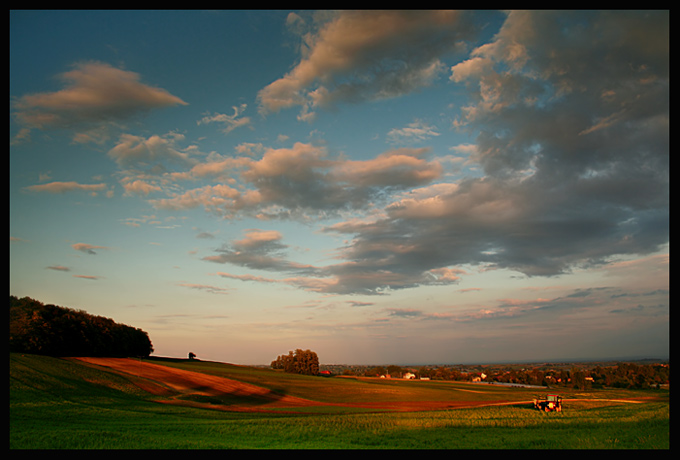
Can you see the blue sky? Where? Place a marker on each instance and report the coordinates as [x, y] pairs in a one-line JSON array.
[[382, 187]]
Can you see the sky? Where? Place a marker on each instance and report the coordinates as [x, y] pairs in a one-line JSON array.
[[380, 187]]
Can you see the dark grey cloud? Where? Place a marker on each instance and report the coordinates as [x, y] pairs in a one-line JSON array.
[[646, 310]]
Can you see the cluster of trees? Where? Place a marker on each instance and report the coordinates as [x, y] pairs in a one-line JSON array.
[[58, 331], [393, 371], [298, 362]]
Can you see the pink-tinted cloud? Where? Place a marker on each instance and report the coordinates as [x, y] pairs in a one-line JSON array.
[[136, 151], [93, 92], [402, 167], [88, 277], [139, 187], [70, 186]]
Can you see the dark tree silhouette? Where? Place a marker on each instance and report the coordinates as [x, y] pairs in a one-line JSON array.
[[58, 331]]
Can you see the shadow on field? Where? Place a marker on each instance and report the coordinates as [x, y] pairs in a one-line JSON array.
[[205, 395]]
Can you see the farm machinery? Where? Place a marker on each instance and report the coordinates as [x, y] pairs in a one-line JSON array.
[[549, 403]]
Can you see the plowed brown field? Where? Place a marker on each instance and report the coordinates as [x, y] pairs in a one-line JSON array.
[[196, 389]]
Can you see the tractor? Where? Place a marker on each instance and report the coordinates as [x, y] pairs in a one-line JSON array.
[[549, 404]]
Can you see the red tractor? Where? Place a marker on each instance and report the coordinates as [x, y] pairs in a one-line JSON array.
[[549, 404]]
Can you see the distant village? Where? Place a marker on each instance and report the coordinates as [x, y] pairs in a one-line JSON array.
[[584, 375]]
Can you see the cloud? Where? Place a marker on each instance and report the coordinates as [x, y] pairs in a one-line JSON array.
[[530, 315], [93, 93], [62, 187], [87, 248], [513, 225], [302, 180], [259, 240], [401, 168], [355, 303], [263, 250], [556, 195], [575, 156], [260, 250], [204, 287], [353, 56], [230, 122], [404, 312], [139, 187], [87, 277], [59, 268], [414, 132], [303, 177], [570, 117], [643, 310], [220, 199], [153, 152]]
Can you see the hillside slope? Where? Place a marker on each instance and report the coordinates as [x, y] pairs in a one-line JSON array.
[[195, 388]]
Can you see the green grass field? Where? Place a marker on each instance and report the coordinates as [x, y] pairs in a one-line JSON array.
[[63, 404]]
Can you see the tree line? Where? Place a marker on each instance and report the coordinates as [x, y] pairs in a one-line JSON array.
[[299, 362], [59, 331], [620, 375]]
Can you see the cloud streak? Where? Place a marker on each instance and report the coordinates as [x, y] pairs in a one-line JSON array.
[[69, 186], [87, 248]]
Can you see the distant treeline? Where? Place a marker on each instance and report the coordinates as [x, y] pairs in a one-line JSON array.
[[58, 331], [620, 375]]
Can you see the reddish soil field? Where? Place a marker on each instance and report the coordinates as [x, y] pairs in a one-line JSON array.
[[189, 388]]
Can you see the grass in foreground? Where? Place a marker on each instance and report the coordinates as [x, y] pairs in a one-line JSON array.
[[57, 404]]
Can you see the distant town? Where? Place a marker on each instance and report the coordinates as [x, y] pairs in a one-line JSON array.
[[641, 373]]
